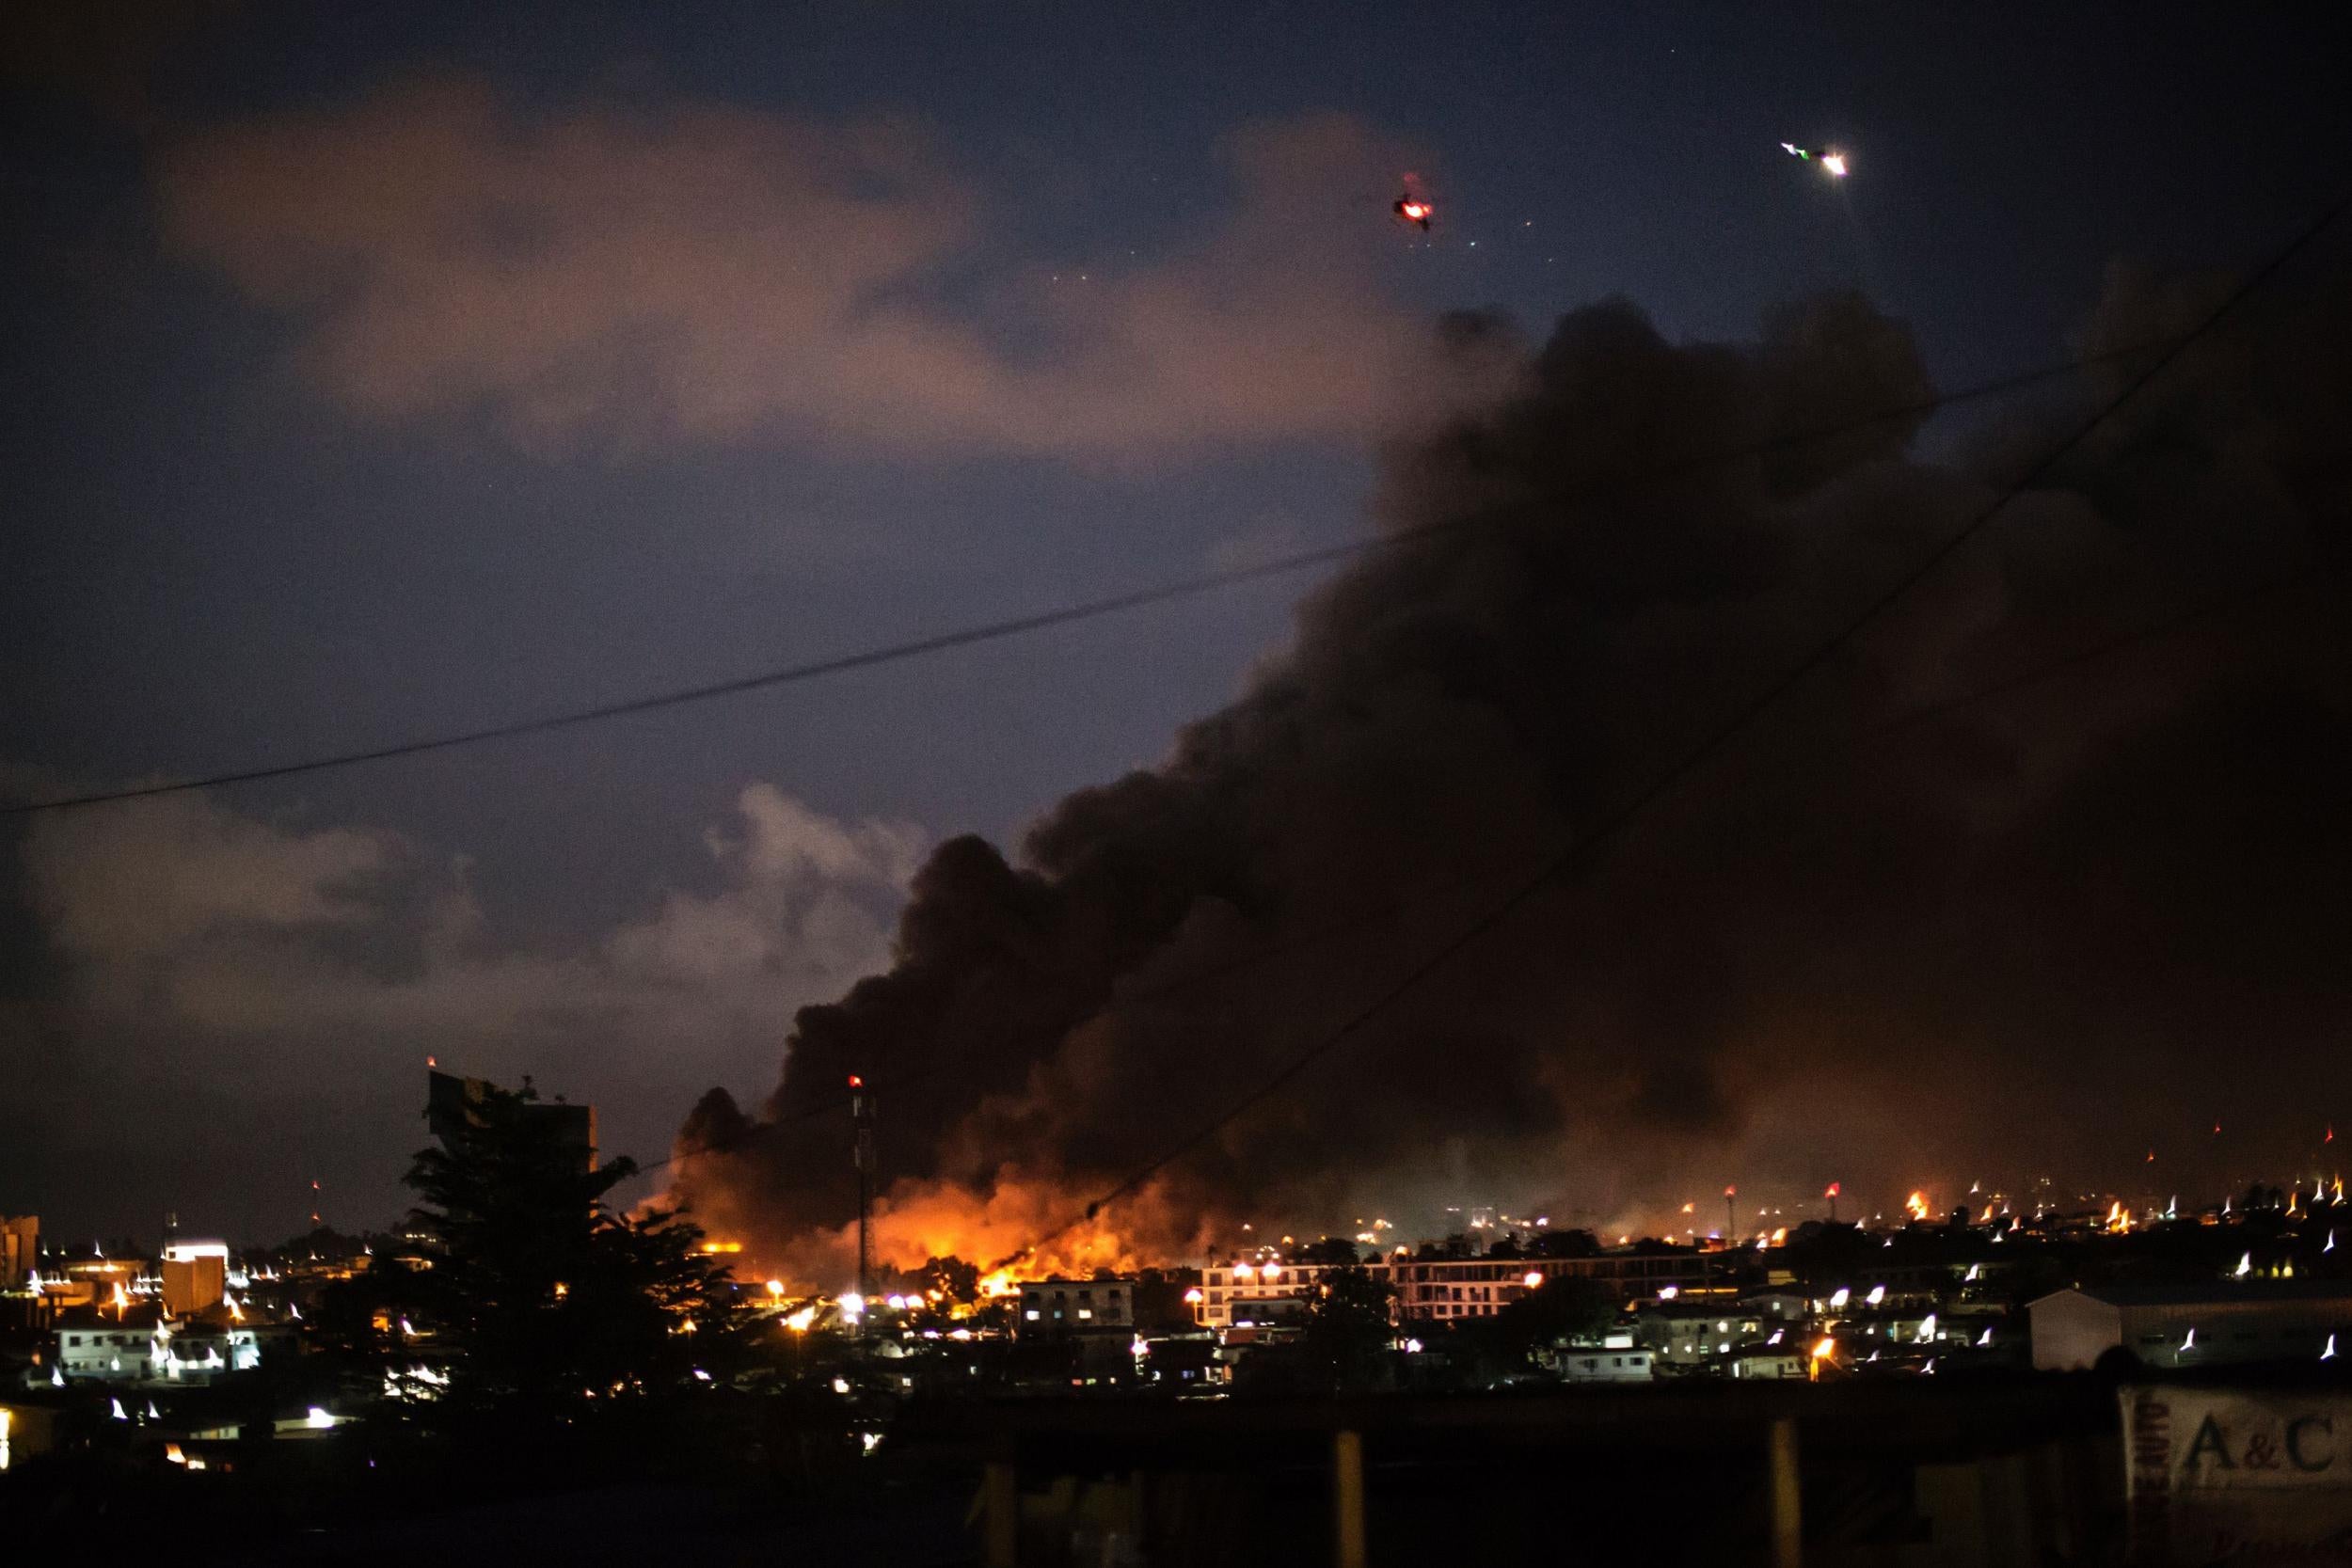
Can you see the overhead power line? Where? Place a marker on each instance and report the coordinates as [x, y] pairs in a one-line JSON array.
[[2212, 609], [1070, 614], [1584, 852]]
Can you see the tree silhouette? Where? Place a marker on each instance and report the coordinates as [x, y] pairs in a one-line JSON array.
[[538, 1310], [1347, 1338]]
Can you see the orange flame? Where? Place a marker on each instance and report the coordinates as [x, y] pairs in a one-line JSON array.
[[1015, 1228], [1917, 1204]]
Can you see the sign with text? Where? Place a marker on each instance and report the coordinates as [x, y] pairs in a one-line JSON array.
[[2238, 1475]]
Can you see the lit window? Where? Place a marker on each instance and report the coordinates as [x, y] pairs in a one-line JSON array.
[[1031, 1314], [1085, 1311]]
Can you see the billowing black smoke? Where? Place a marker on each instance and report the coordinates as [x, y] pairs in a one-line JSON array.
[[2025, 936]]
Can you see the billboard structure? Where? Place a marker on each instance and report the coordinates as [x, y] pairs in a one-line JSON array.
[[452, 1107], [2238, 1474]]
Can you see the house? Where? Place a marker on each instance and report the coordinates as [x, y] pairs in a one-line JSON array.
[[1615, 1359]]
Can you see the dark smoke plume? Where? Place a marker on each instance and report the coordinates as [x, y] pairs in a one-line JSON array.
[[2098, 912]]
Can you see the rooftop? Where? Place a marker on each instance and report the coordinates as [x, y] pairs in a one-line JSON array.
[[2213, 1293]]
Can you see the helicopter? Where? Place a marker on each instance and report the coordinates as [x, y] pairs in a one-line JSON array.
[[1831, 160]]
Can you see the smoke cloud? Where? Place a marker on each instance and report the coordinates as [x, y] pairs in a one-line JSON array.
[[2032, 935]]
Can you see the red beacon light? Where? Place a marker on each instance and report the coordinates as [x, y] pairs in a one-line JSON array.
[[855, 1082]]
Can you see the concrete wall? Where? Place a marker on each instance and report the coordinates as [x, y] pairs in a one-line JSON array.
[[20, 1247], [192, 1284], [2072, 1330]]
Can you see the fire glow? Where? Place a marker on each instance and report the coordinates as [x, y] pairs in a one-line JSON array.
[[1020, 1228]]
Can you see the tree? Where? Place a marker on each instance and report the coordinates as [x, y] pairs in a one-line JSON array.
[[1563, 1308], [1565, 1243], [952, 1277], [541, 1308], [1500, 1349], [1347, 1338], [1329, 1249]]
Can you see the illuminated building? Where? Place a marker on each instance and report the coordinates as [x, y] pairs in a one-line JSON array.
[[1429, 1289], [106, 1352], [20, 1249], [1766, 1362], [1244, 1294], [1686, 1333], [1615, 1359], [195, 1275], [1439, 1288], [1051, 1307], [141, 1346]]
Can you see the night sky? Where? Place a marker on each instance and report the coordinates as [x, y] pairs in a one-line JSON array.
[[381, 372]]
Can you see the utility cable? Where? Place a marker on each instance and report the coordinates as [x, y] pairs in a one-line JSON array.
[[1584, 852], [2211, 609], [1065, 616]]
